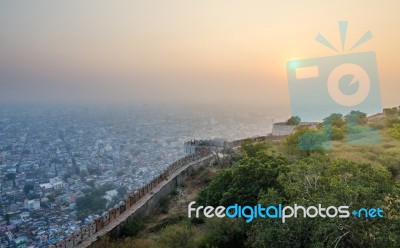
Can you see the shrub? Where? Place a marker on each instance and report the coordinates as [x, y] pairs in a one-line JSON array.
[[337, 133], [223, 233], [163, 204], [177, 235], [132, 228], [394, 131]]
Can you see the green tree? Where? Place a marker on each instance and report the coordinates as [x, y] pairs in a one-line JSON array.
[[243, 182], [321, 180], [28, 187], [92, 202], [338, 133], [305, 141], [334, 120], [357, 117], [294, 120], [252, 148], [391, 111]]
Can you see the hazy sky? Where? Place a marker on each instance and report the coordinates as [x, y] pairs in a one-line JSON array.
[[180, 51]]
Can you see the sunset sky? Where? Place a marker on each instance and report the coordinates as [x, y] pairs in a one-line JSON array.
[[181, 51]]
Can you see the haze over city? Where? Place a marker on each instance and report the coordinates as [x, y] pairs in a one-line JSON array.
[[181, 52], [117, 116]]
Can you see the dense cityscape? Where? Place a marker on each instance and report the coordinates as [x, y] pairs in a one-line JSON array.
[[61, 167]]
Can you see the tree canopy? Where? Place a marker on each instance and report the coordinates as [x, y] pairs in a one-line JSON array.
[[308, 181], [294, 120]]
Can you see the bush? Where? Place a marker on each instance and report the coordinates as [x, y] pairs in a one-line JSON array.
[[174, 193], [132, 228], [391, 111], [126, 243], [394, 131], [177, 235], [394, 169], [338, 133], [223, 233], [252, 148], [378, 126], [163, 204], [306, 141], [294, 120], [391, 121]]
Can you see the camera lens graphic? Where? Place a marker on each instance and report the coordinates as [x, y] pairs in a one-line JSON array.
[[359, 75]]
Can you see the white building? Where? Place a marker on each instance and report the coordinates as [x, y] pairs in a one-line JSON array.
[[57, 183], [25, 216], [189, 147], [46, 187], [32, 204]]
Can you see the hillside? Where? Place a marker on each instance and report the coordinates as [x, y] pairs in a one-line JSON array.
[[271, 173]]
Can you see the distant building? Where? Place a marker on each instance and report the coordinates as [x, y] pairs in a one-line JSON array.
[[46, 187], [189, 147], [8, 183], [20, 242], [57, 183], [24, 216], [32, 204]]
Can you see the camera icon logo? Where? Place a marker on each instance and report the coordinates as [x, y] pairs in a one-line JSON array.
[[336, 84], [359, 75], [340, 84]]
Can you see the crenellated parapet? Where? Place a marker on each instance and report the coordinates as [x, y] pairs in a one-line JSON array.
[[113, 215], [137, 201], [237, 143]]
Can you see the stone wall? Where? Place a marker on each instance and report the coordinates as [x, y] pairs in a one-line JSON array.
[[237, 143], [139, 203]]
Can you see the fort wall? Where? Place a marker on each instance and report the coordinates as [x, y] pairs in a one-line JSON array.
[[141, 202]]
